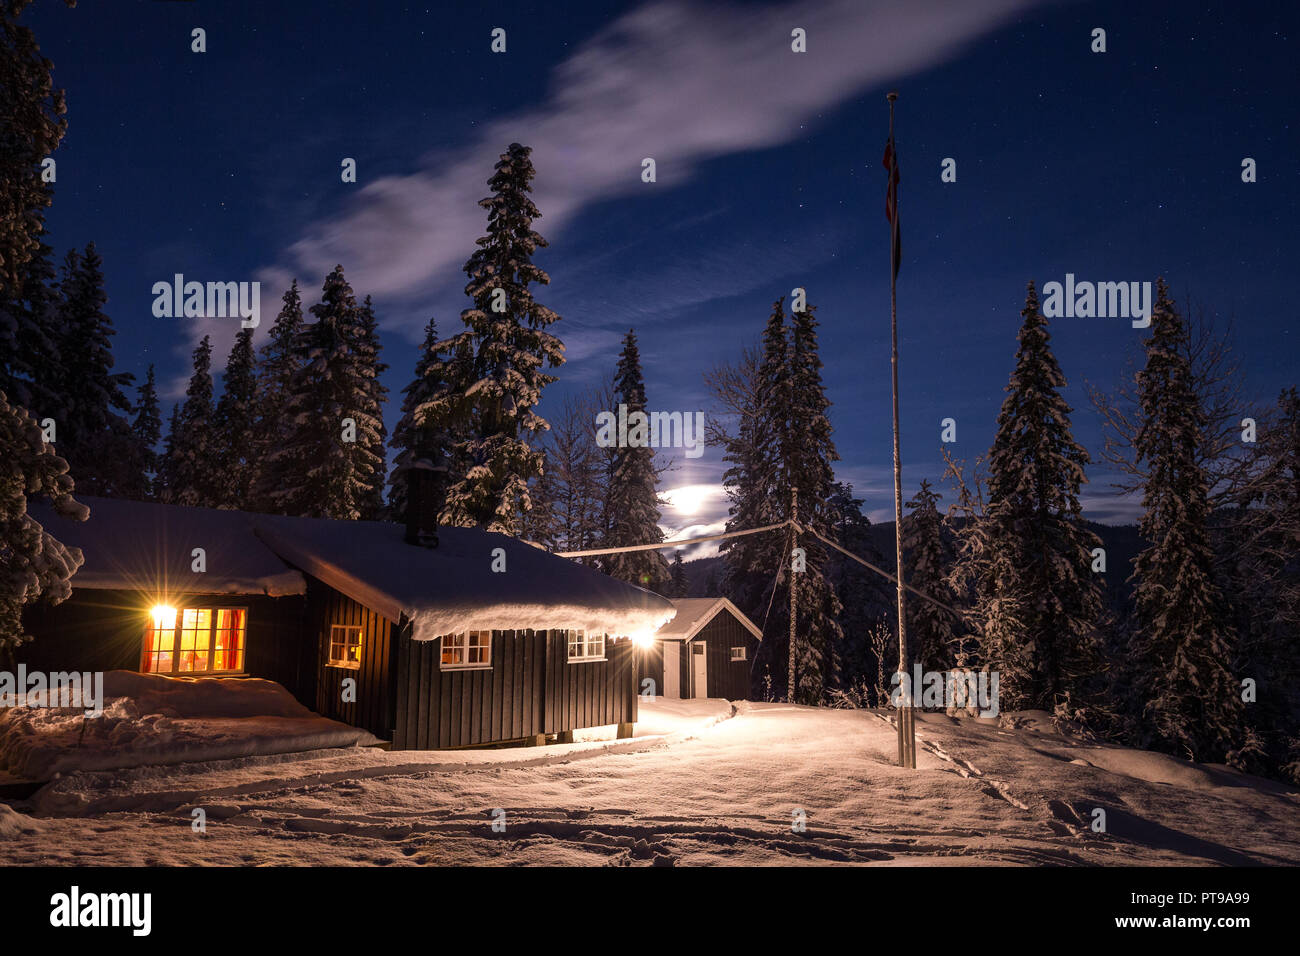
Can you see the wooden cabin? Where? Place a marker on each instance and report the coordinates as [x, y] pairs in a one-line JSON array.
[[706, 650], [457, 638]]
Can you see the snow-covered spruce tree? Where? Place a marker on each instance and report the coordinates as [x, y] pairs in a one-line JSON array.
[[782, 443], [234, 426], [493, 405], [373, 396], [146, 432], [756, 395], [970, 570], [1257, 544], [866, 599], [31, 372], [413, 442], [191, 473], [631, 501], [807, 451], [33, 564], [540, 523], [276, 367], [1035, 471], [94, 436], [32, 124], [1182, 645], [677, 586], [932, 631], [325, 465]]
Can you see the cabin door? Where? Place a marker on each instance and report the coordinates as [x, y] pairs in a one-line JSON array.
[[699, 671], [672, 668]]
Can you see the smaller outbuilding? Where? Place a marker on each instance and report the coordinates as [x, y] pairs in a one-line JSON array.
[[708, 650]]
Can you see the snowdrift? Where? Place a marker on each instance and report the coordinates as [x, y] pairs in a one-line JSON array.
[[150, 719]]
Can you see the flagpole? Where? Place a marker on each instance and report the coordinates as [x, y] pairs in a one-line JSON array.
[[906, 715]]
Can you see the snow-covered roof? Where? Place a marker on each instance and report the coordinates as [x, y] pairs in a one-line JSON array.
[[145, 546], [694, 613], [142, 546], [452, 587]]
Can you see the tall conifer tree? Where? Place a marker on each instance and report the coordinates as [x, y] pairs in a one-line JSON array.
[[235, 426], [372, 396], [325, 465], [191, 475], [93, 435], [1182, 644], [412, 441], [276, 368], [807, 453], [146, 432], [498, 360], [932, 631], [1035, 522], [632, 500]]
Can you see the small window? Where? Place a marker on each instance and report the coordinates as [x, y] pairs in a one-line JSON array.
[[586, 647], [345, 646], [738, 654], [471, 649]]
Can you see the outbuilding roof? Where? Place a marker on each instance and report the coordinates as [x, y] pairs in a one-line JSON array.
[[694, 613]]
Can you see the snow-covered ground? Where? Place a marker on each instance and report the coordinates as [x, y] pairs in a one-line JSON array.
[[149, 719], [704, 782]]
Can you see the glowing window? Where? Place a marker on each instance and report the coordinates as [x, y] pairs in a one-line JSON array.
[[196, 641], [345, 646]]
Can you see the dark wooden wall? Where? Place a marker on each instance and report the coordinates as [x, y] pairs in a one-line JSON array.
[[530, 689], [98, 630], [590, 693], [727, 678], [374, 707]]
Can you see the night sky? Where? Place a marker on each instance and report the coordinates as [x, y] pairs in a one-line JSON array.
[[1119, 166]]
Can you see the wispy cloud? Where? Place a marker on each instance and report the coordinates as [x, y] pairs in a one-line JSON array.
[[680, 81], [683, 82]]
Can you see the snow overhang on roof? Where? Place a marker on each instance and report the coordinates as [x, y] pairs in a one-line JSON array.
[[453, 587], [694, 613], [151, 548]]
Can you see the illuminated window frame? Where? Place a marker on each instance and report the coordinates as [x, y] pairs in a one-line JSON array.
[[584, 647], [159, 641], [740, 654], [467, 651], [345, 638]]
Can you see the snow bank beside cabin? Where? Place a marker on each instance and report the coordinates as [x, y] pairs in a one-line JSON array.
[[150, 719]]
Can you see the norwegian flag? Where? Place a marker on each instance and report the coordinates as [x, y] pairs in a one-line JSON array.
[[891, 201]]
